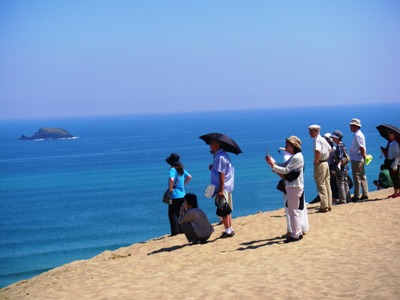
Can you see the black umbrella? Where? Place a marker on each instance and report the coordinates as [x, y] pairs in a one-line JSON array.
[[385, 128], [228, 144]]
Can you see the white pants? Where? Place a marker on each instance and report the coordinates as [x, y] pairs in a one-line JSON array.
[[294, 215]]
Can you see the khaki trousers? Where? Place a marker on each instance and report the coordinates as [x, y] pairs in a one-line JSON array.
[[359, 179], [322, 180]]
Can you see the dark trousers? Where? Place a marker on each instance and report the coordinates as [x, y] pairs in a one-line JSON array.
[[173, 214], [395, 176], [334, 187], [191, 234]]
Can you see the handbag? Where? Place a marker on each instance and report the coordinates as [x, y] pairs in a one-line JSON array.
[[167, 197], [281, 186], [223, 208], [167, 194], [346, 157]]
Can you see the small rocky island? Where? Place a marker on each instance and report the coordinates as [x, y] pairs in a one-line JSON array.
[[48, 134]]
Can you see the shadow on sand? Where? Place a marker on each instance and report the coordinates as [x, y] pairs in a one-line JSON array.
[[177, 247]]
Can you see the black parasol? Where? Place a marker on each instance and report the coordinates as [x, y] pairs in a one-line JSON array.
[[228, 144], [384, 130]]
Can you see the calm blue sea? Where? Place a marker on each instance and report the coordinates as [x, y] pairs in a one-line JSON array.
[[65, 200]]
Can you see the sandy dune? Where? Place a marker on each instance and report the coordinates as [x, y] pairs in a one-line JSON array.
[[350, 252]]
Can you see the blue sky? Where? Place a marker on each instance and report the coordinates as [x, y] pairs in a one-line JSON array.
[[86, 58]]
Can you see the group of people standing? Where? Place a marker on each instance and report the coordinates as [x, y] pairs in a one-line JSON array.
[[329, 160], [184, 214]]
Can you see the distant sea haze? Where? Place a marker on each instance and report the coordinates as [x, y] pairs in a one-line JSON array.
[[63, 200]]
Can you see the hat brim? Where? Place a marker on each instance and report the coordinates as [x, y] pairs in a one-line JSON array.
[[355, 124], [293, 144]]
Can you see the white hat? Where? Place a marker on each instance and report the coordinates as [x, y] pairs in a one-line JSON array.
[[356, 122], [327, 135], [314, 127]]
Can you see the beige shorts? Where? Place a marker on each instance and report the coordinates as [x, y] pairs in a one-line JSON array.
[[228, 197]]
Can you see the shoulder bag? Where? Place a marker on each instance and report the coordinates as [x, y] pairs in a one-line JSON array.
[[167, 194]]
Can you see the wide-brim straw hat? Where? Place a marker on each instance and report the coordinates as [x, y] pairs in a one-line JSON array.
[[294, 141]]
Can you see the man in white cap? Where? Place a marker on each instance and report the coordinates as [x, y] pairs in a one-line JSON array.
[[358, 153], [321, 168]]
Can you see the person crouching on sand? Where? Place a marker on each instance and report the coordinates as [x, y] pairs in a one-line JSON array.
[[194, 222]]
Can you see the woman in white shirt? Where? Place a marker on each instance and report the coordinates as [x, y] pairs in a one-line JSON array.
[[292, 172]]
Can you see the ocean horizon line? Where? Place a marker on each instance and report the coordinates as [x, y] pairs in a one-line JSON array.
[[190, 112]]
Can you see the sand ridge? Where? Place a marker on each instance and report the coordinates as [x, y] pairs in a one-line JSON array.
[[350, 252]]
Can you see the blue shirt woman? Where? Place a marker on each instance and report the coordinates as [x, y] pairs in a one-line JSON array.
[[178, 182], [178, 178]]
